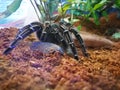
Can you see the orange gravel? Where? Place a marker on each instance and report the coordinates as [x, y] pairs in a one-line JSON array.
[[24, 69]]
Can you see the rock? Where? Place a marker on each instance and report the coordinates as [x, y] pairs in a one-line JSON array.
[[93, 40]]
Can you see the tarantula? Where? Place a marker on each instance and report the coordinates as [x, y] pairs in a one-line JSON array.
[[59, 33]]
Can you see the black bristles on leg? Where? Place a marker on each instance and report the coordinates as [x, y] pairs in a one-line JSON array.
[[79, 38], [64, 25], [69, 40], [29, 29], [12, 46], [8, 50], [43, 36], [23, 33]]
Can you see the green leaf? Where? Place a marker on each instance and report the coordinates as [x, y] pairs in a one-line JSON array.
[[11, 9], [79, 27], [97, 6], [64, 8], [88, 5], [96, 18], [52, 6], [14, 6], [104, 13], [70, 1], [116, 35], [117, 3]]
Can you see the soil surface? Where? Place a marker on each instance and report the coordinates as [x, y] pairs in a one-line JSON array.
[[24, 69]]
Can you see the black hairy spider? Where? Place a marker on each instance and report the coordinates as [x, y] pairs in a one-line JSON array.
[[57, 33]]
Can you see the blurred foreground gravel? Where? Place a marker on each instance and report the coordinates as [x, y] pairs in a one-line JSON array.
[[24, 69]]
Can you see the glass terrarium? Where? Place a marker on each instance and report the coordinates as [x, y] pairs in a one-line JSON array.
[[59, 45]]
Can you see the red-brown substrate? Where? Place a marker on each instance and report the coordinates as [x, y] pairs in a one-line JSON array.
[[24, 69]]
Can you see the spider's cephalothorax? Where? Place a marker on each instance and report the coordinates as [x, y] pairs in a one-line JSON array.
[[59, 33]]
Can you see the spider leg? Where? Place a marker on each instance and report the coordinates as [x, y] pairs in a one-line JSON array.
[[43, 36], [70, 41], [77, 35], [23, 33]]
